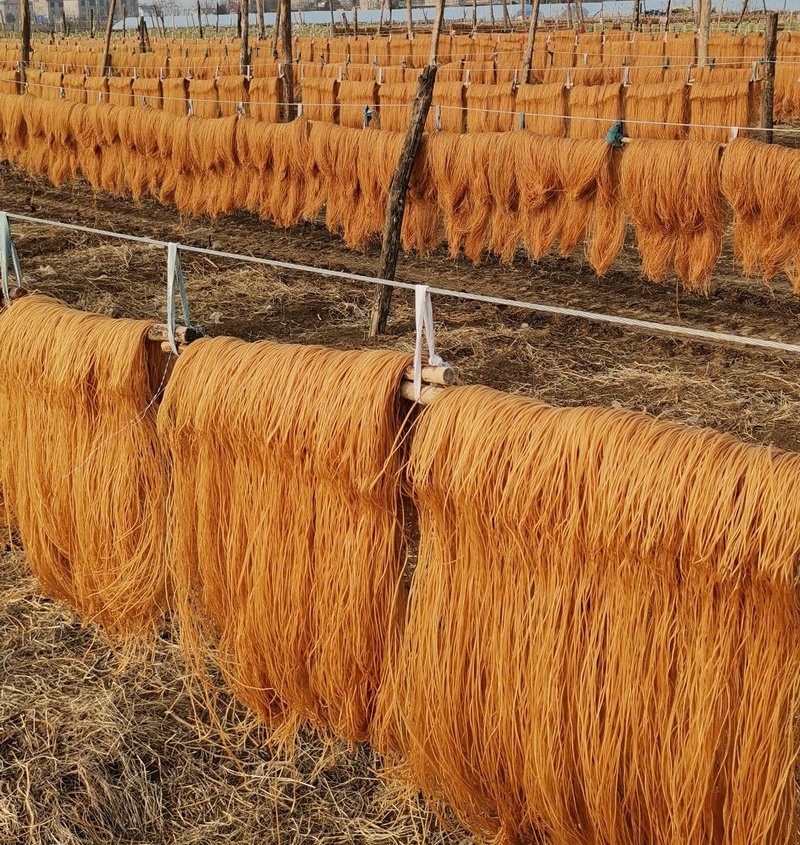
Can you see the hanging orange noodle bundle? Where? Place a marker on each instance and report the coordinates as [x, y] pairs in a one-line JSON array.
[[592, 109], [657, 111], [671, 191], [82, 469], [284, 528], [762, 184], [603, 634]]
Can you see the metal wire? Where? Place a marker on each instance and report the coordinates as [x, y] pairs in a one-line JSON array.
[[542, 308]]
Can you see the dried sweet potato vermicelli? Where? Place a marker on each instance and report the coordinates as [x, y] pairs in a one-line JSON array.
[[762, 184], [82, 469], [672, 193], [603, 635], [285, 541]]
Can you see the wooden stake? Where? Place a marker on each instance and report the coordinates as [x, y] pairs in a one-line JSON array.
[[244, 55], [275, 30], [636, 15], [579, 13], [286, 57], [409, 21], [106, 59], [199, 19], [25, 32], [491, 14], [396, 204], [262, 32], [742, 14], [474, 15], [528, 59], [355, 21], [380, 19], [124, 26], [703, 29], [506, 16], [768, 91]]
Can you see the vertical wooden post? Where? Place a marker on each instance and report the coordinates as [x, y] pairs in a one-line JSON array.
[[669, 9], [703, 28], [25, 32], [409, 21], [742, 14], [579, 13], [636, 13], [244, 56], [396, 204], [91, 22], [63, 23], [355, 20], [142, 35], [333, 21], [506, 16], [276, 30], [528, 58], [491, 13], [286, 57], [569, 15], [262, 33], [768, 91], [106, 59], [199, 19], [124, 25], [380, 19], [474, 15]]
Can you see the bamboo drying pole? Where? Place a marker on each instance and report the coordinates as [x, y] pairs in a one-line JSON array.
[[396, 204], [286, 58], [244, 54], [106, 59], [528, 59], [25, 32], [703, 28], [768, 92]]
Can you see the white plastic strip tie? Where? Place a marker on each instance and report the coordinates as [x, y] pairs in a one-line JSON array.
[[423, 310], [175, 275], [8, 250]]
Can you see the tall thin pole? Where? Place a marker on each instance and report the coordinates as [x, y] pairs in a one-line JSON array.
[[262, 34], [742, 14], [768, 91], [396, 204], [636, 12], [244, 55], [286, 57], [199, 19], [528, 58], [25, 32], [409, 21], [106, 60], [703, 29], [276, 28]]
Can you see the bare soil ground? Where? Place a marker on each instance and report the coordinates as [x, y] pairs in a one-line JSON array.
[[92, 752]]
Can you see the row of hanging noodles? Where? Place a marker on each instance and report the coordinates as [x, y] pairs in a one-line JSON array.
[[598, 641], [480, 192], [654, 109], [565, 48]]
